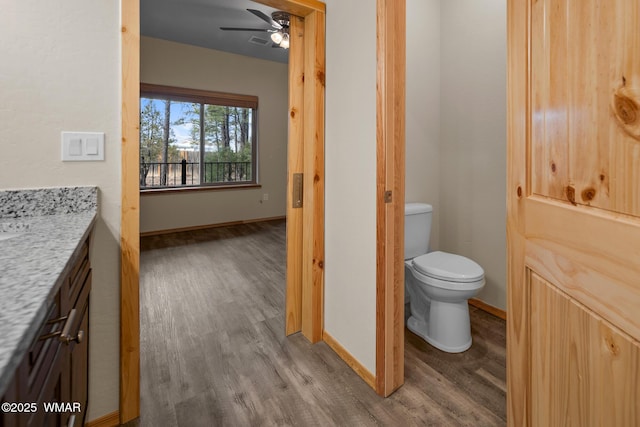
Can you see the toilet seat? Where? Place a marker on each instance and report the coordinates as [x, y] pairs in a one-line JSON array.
[[448, 268]]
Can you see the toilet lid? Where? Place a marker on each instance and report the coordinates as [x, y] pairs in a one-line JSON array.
[[450, 267]]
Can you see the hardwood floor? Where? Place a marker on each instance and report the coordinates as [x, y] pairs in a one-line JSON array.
[[213, 350]]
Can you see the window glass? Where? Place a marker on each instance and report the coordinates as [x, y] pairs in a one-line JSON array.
[[228, 148], [203, 141]]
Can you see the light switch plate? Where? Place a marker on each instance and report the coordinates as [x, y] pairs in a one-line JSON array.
[[75, 147], [92, 146], [82, 146]]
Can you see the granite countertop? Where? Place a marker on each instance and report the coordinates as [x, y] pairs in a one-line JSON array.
[[48, 225]]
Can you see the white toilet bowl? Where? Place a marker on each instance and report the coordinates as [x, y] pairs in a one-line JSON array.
[[439, 285]]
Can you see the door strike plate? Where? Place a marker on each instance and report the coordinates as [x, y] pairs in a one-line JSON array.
[[297, 191]]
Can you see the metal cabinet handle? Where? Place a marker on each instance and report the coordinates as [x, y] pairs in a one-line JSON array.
[[79, 337], [50, 335], [54, 321], [55, 333], [64, 336]]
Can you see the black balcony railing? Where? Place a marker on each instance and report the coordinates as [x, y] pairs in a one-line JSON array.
[[176, 174]]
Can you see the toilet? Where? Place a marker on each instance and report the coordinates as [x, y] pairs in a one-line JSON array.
[[438, 285]]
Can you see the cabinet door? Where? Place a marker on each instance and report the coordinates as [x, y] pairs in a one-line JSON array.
[[79, 355], [8, 419], [573, 213], [54, 390]]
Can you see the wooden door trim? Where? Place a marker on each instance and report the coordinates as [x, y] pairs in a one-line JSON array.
[[130, 215], [390, 176], [518, 189], [130, 209], [313, 212], [300, 8]]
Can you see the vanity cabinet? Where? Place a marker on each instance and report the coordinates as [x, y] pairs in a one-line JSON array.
[[54, 369]]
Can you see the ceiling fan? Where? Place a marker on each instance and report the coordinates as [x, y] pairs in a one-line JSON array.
[[279, 30]]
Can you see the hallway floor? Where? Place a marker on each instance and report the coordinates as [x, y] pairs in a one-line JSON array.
[[213, 350]]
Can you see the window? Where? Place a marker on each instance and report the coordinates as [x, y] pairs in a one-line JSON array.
[[194, 138]]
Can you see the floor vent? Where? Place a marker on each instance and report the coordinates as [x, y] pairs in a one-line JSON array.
[[258, 40]]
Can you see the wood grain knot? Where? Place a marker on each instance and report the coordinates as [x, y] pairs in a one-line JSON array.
[[602, 177], [571, 194], [626, 110], [588, 194], [612, 346], [293, 113], [519, 191], [553, 167], [320, 77]]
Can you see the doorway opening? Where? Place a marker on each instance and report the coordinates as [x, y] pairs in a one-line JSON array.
[[305, 295]]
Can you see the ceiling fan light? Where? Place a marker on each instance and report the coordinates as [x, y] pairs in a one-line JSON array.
[[277, 37], [285, 41]]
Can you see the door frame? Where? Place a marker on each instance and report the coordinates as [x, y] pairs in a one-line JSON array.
[[390, 188], [309, 297], [518, 186], [304, 296]]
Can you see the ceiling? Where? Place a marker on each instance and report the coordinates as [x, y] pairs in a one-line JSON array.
[[198, 22]]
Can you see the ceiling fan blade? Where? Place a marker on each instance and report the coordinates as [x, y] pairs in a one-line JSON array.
[[262, 30], [266, 18]]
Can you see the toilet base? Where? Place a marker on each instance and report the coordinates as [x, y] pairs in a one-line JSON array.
[[420, 328]]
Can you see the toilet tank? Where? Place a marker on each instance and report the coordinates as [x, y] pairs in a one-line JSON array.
[[417, 229]]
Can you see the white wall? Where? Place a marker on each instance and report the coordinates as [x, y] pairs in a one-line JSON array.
[[350, 169], [456, 128], [60, 70], [473, 137], [423, 108], [175, 64]]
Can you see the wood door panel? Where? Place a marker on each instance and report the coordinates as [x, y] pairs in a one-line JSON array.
[[549, 99], [573, 212], [585, 101], [584, 371], [588, 256], [587, 285]]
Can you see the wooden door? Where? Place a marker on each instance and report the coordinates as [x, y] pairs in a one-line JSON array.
[[305, 206], [573, 213], [295, 170]]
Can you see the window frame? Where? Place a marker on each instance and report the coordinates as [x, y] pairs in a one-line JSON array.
[[174, 93]]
